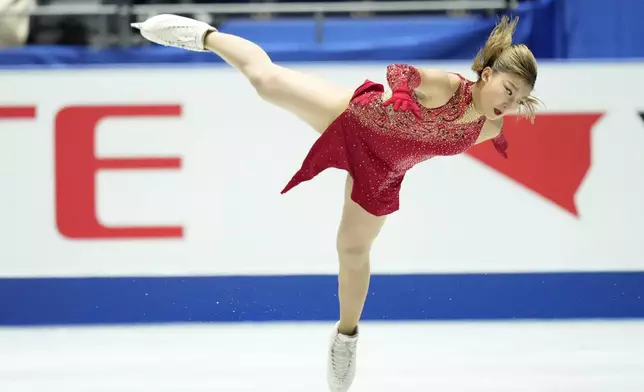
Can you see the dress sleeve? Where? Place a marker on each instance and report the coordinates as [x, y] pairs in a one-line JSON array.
[[501, 145], [403, 77]]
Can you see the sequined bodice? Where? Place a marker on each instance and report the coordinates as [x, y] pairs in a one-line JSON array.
[[401, 140]]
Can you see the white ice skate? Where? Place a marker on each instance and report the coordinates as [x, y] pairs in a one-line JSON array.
[[175, 31], [342, 361]]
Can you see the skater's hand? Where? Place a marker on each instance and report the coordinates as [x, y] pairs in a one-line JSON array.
[[402, 101]]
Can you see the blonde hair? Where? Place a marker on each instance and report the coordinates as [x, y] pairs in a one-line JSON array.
[[502, 56]]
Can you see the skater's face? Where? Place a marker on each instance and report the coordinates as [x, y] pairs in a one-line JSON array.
[[502, 93]]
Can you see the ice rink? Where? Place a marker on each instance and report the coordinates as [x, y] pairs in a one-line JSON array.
[[447, 357], [146, 244]]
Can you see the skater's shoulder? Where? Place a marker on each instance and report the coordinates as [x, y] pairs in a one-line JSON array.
[[438, 82], [436, 77]]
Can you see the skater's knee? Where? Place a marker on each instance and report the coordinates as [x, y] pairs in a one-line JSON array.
[[265, 79], [353, 249]]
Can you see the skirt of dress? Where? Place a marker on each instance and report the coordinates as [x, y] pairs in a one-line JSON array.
[[376, 187]]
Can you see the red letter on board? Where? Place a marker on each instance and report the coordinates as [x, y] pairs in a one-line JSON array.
[[77, 165]]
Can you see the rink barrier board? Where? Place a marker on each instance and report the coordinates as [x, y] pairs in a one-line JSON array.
[[525, 227], [140, 300]]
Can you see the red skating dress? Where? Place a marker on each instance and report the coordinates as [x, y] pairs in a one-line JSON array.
[[377, 145]]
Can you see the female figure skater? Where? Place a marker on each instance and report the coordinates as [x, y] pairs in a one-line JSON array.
[[376, 136]]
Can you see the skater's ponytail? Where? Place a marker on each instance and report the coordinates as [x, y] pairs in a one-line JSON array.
[[502, 56], [500, 39]]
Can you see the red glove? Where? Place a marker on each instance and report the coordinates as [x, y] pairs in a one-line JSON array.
[[403, 101], [403, 80]]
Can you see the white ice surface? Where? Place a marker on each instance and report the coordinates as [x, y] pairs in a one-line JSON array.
[[397, 357]]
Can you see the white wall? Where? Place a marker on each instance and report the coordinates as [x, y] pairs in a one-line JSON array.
[[237, 152]]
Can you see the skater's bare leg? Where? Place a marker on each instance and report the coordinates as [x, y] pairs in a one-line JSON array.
[[312, 99], [358, 230]]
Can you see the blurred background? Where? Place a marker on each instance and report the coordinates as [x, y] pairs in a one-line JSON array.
[[144, 244], [439, 29]]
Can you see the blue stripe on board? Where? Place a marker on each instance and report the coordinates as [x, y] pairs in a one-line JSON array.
[[59, 301]]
